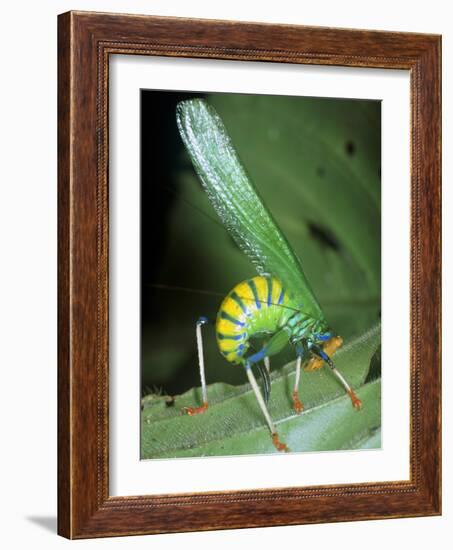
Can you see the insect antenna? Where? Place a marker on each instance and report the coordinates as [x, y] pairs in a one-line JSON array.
[[162, 286], [172, 190]]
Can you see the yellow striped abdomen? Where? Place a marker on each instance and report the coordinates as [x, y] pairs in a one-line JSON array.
[[253, 307]]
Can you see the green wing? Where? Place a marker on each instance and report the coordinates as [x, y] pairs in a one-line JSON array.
[[237, 202]]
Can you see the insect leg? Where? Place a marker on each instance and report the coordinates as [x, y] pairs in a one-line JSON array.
[[298, 406], [197, 410], [264, 370], [275, 440], [356, 403], [273, 346]]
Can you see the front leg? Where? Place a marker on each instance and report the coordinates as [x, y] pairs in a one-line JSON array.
[[356, 403]]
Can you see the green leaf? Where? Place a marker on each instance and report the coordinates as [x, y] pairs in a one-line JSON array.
[[370, 441], [234, 425]]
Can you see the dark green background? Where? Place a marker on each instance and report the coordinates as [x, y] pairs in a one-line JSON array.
[[316, 163]]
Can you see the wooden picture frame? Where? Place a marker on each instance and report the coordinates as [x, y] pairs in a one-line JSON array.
[[85, 41]]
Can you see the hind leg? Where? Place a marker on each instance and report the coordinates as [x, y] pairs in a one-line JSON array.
[[297, 403], [275, 439], [273, 346], [204, 392]]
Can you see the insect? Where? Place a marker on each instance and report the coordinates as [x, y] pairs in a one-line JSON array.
[[277, 306]]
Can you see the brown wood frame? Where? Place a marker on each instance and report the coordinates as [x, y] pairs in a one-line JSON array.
[[85, 41]]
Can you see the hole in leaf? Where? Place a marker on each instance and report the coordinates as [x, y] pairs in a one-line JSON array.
[[323, 236], [350, 148]]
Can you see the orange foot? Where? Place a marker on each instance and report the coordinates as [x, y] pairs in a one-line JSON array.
[[356, 403], [278, 444], [298, 406], [191, 411]]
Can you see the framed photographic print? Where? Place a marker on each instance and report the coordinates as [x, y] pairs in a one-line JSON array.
[[249, 274], [261, 319]]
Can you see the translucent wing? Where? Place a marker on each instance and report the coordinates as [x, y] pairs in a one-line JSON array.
[[237, 202]]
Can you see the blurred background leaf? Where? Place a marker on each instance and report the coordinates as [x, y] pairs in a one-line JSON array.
[[316, 162]]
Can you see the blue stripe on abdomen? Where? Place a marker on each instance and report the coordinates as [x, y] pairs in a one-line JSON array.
[[269, 291], [221, 336], [228, 317], [240, 303], [253, 288]]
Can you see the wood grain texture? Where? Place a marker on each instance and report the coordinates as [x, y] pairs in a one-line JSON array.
[[86, 40], [64, 374]]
